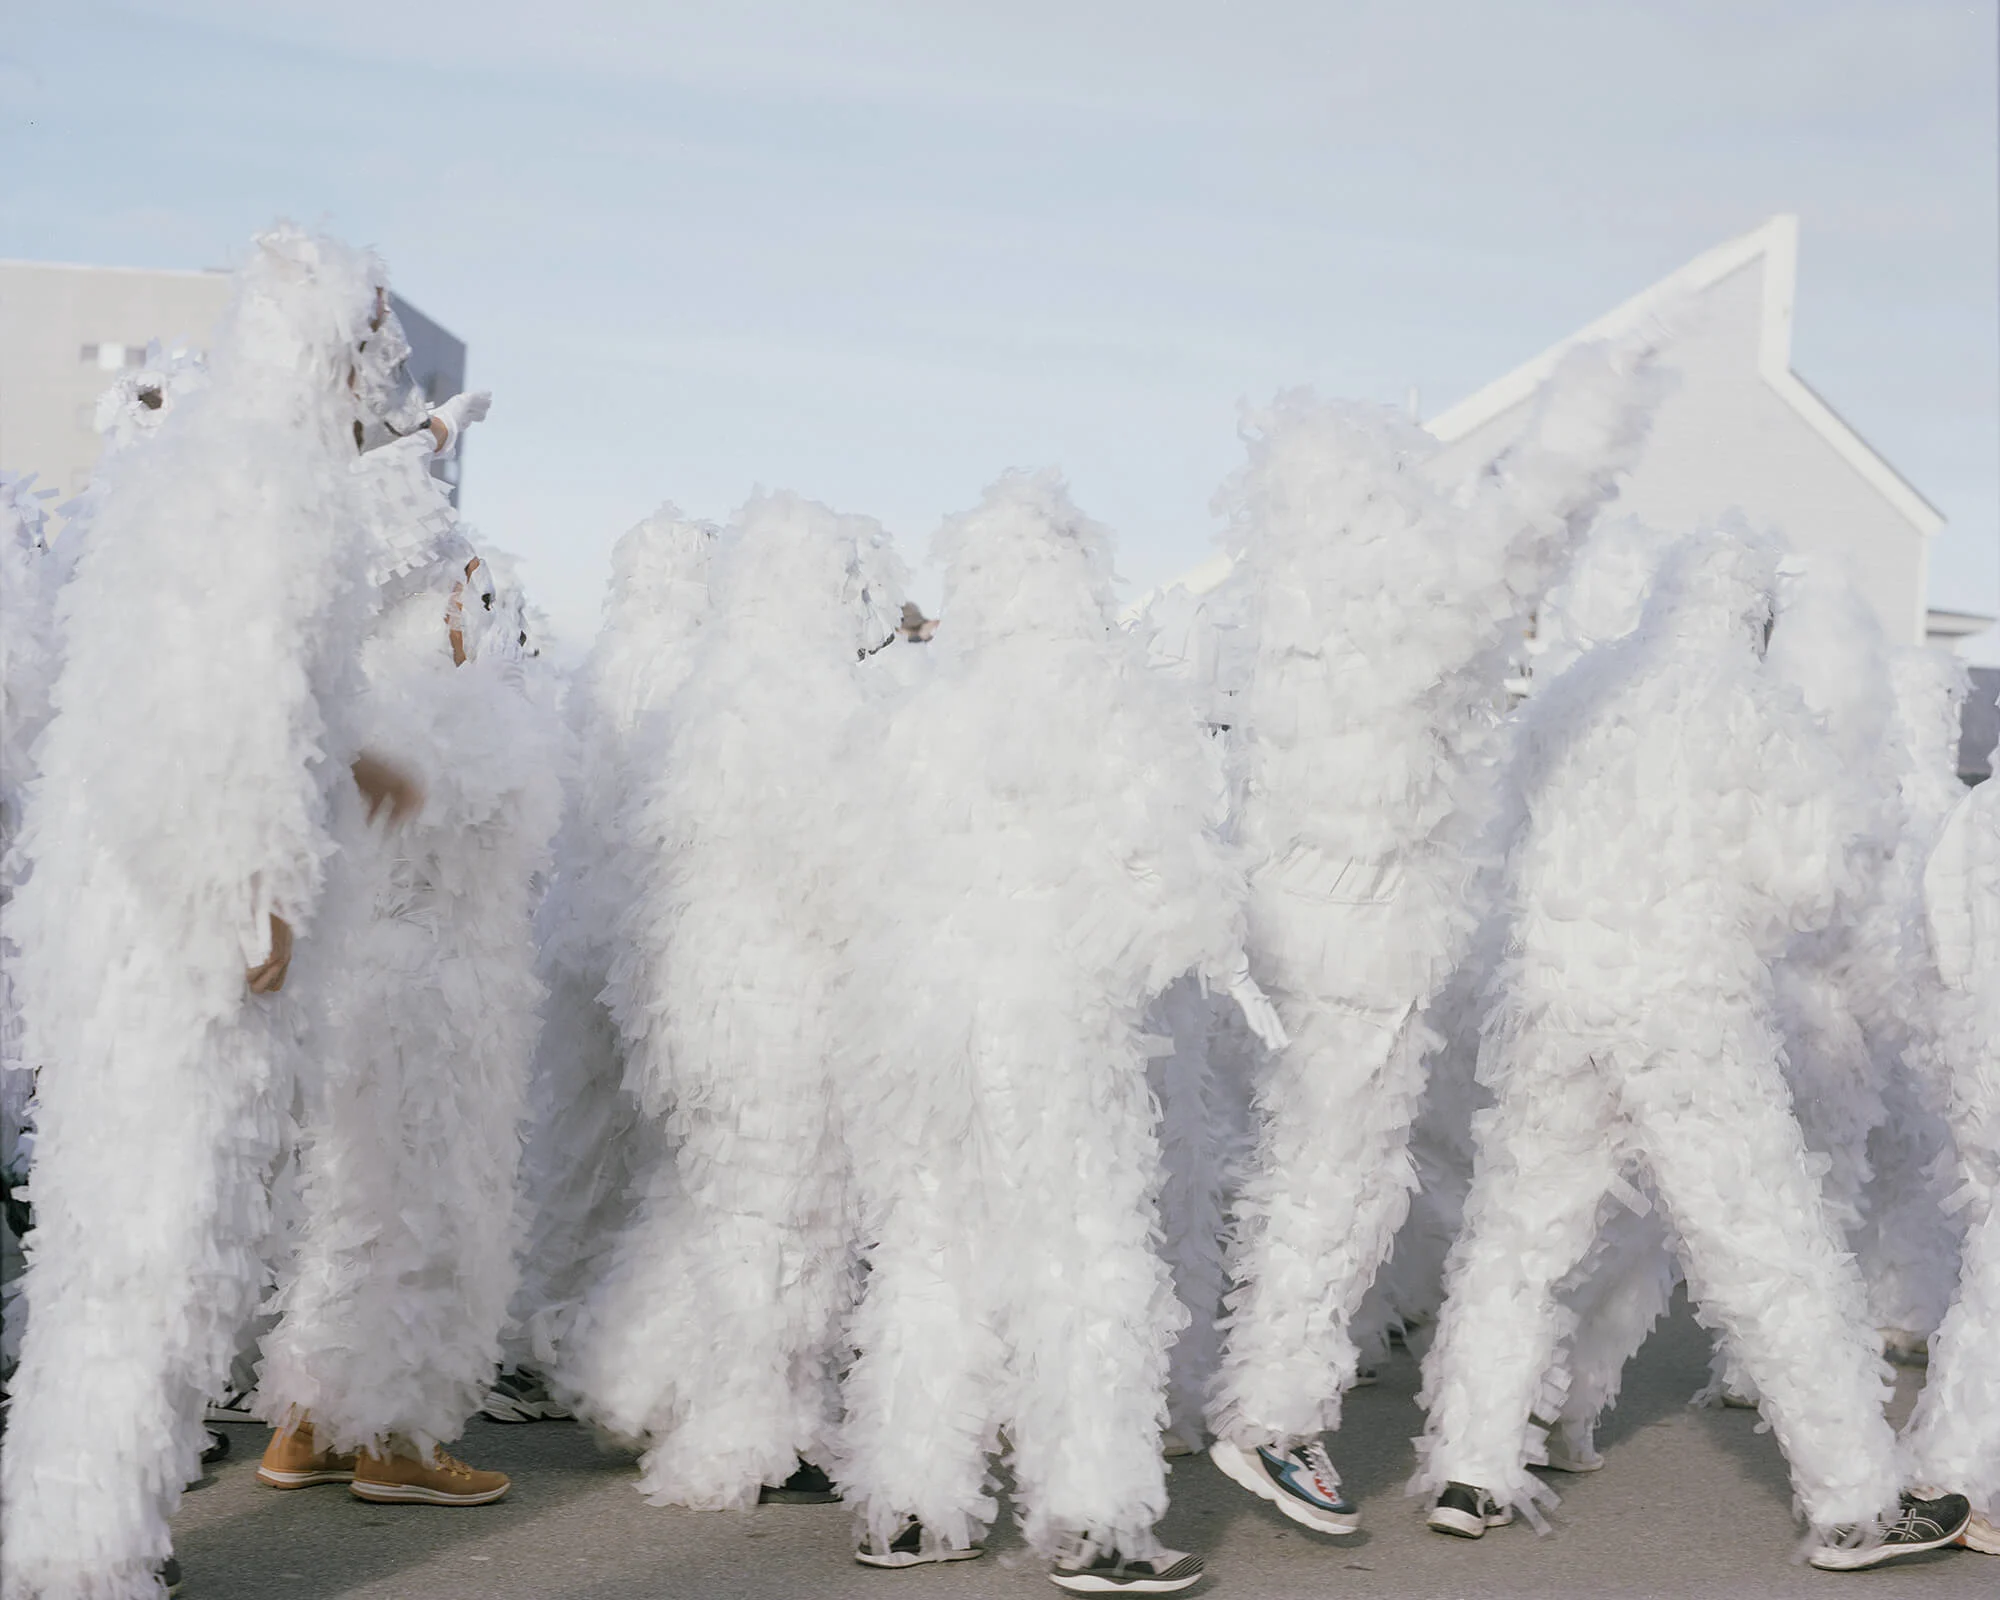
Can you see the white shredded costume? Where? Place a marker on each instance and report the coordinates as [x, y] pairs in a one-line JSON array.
[[1382, 614], [1616, 1296], [1953, 1438], [1059, 865], [1203, 1084], [1909, 1244], [1677, 838], [712, 1335], [30, 573], [39, 560], [1853, 997], [586, 1139], [423, 1001], [207, 638]]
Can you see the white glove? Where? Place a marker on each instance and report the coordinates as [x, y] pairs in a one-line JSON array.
[[459, 411], [1255, 1005]]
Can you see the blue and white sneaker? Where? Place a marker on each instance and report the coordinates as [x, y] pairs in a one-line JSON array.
[[1300, 1482]]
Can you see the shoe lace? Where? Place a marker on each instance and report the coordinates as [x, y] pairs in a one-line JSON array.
[[445, 1461], [1320, 1465]]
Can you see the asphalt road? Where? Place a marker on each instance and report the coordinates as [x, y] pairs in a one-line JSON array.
[[1691, 1503]]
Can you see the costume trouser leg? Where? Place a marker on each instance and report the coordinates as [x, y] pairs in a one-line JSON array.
[[144, 1262], [711, 1335], [1727, 1162], [392, 1306], [1765, 1266], [921, 1396], [1909, 1246], [1203, 1111], [1329, 1186], [1953, 1438], [1548, 1155], [1091, 1313], [1619, 1295], [579, 1166]]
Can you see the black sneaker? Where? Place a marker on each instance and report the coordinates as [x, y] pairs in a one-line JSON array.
[[907, 1549], [1918, 1525], [1169, 1572], [1466, 1511], [170, 1575], [216, 1449], [1300, 1482], [520, 1395], [807, 1487]]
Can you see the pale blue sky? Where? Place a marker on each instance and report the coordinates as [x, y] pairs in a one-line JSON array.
[[879, 252]]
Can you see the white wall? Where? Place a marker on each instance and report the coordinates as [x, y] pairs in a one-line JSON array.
[[1724, 438], [48, 314]]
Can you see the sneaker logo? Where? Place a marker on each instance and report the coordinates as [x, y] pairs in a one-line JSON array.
[[1302, 1480]]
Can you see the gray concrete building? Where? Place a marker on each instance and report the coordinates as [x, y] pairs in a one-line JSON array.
[[67, 331]]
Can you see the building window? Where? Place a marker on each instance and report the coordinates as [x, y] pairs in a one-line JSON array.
[[112, 357]]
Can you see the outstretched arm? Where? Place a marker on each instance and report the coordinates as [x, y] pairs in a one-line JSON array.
[[1587, 431]]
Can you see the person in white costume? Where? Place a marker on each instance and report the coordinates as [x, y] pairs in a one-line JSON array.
[[36, 565], [40, 559], [1628, 1283], [30, 573], [1953, 1437], [1056, 811], [1909, 1244], [712, 1336], [584, 1130], [393, 1293], [1203, 1082], [1677, 838], [1852, 997], [1384, 615], [1838, 977], [200, 729]]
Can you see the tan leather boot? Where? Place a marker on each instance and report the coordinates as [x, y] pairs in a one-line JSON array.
[[406, 1480], [294, 1461]]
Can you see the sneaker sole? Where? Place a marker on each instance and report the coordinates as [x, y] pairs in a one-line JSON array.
[[415, 1494], [904, 1558], [1093, 1583], [273, 1479], [498, 1408], [1562, 1463], [1880, 1555], [1459, 1524], [1980, 1535], [1227, 1457]]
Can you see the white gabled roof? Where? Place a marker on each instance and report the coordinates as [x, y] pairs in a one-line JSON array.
[[1777, 242]]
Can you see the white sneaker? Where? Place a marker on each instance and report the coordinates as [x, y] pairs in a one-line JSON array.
[[907, 1549], [1571, 1448], [1169, 1572]]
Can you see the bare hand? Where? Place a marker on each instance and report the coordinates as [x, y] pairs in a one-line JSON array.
[[384, 785], [270, 977]]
